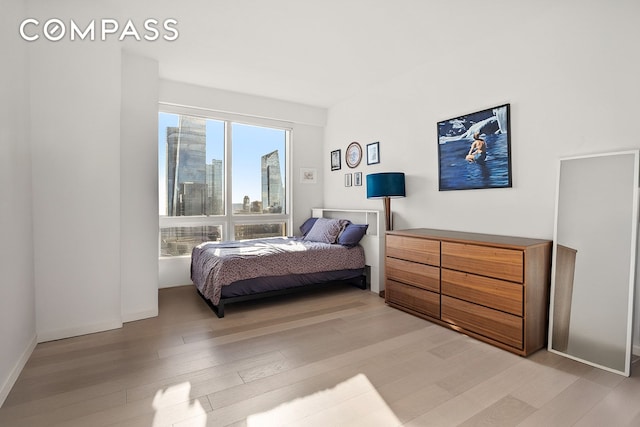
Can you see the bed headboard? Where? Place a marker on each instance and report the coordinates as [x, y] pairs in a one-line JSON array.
[[372, 242]]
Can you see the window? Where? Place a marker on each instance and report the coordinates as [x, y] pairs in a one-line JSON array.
[[181, 240], [219, 180]]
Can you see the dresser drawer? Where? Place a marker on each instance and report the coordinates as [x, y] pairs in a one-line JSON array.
[[413, 273], [500, 263], [413, 298], [494, 293], [413, 249], [494, 324]]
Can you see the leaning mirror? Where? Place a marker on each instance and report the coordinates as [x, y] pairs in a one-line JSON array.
[[593, 270]]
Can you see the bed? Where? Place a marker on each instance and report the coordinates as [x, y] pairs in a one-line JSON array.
[[328, 251]]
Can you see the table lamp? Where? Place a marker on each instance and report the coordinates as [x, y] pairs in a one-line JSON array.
[[386, 185]]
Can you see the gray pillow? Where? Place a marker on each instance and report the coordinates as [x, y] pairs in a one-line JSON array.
[[306, 226], [326, 230]]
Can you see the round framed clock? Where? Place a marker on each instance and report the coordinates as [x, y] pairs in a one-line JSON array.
[[353, 155]]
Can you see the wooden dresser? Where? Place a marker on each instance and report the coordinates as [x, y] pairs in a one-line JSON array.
[[493, 288]]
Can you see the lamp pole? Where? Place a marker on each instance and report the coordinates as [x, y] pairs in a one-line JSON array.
[[387, 211]]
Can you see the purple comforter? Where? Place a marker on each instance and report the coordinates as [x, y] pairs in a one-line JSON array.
[[217, 264]]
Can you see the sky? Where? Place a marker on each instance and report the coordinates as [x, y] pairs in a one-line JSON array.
[[250, 143]]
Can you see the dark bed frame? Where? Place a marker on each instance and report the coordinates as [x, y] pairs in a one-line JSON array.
[[361, 282]]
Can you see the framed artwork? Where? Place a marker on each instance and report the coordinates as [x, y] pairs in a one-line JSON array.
[[308, 175], [357, 179], [373, 153], [353, 155], [474, 150], [347, 180], [335, 160]]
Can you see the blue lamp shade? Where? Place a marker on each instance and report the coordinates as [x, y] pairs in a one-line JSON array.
[[385, 184]]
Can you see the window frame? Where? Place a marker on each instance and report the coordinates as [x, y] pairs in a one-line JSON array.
[[228, 221]]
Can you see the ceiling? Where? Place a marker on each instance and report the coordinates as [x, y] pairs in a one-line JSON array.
[[311, 52]]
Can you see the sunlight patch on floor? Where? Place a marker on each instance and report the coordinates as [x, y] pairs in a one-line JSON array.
[[175, 403], [352, 402]]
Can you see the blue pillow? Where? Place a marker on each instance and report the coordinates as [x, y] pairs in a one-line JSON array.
[[352, 234], [307, 225]]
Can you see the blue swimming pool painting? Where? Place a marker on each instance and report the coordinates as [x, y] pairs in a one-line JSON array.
[[474, 150]]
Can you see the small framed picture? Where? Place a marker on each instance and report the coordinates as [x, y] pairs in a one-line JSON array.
[[335, 160], [373, 153], [308, 175], [347, 180], [357, 179]]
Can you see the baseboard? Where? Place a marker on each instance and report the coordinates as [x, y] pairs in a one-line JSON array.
[[636, 350], [132, 317], [15, 372], [81, 330], [173, 285]]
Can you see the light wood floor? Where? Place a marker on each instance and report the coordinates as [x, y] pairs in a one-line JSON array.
[[333, 357]]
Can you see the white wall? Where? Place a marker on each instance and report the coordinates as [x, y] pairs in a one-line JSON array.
[[75, 124], [307, 128], [570, 72], [17, 300], [93, 118], [139, 188]]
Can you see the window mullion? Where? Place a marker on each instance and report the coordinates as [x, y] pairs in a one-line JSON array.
[[228, 173]]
